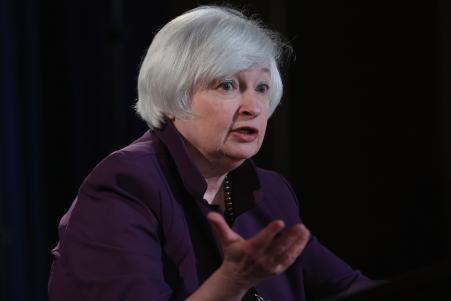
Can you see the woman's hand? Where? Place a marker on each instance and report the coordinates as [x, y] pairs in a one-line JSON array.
[[268, 253], [247, 262]]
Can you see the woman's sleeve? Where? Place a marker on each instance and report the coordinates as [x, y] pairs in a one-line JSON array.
[[109, 246]]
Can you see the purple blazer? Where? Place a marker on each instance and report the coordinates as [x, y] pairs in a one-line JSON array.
[[137, 230]]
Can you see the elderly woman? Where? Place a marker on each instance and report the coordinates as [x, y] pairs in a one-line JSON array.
[[147, 223]]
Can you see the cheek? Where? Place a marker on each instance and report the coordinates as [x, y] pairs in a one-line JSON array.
[[264, 125], [264, 120], [221, 117], [215, 130], [262, 131]]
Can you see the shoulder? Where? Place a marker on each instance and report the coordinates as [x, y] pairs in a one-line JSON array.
[[266, 174], [132, 169], [278, 196], [273, 182], [146, 148], [137, 157]]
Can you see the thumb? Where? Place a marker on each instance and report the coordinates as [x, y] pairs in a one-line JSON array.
[[223, 231]]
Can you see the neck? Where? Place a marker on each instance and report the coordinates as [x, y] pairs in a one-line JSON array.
[[214, 172], [214, 192]]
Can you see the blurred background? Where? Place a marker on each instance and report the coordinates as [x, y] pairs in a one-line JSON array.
[[363, 132]]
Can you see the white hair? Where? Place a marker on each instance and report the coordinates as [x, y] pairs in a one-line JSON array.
[[202, 45]]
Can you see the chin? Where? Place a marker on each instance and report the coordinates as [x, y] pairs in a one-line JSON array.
[[241, 155]]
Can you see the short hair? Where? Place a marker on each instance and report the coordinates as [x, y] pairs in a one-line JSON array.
[[202, 45]]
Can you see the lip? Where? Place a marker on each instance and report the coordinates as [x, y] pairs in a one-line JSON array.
[[245, 133]]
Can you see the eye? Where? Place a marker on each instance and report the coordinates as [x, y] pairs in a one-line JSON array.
[[227, 85], [262, 88]]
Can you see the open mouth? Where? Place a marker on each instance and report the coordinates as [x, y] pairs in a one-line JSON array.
[[246, 130], [245, 134]]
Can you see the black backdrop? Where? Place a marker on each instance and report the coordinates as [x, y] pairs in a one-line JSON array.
[[363, 131]]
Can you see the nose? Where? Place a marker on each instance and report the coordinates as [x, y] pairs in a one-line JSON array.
[[250, 105]]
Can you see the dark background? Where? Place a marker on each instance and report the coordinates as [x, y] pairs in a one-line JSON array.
[[363, 132]]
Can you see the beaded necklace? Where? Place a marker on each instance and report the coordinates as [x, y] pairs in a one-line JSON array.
[[229, 215]]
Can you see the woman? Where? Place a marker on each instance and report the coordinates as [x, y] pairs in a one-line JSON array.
[[147, 222]]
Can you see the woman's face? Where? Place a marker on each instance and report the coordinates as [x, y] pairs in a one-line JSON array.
[[229, 119]]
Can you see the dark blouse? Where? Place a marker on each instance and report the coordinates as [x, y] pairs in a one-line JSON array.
[[137, 230]]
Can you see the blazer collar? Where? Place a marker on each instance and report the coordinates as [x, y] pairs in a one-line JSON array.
[[191, 177]]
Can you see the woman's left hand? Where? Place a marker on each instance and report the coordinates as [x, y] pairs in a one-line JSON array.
[[268, 253]]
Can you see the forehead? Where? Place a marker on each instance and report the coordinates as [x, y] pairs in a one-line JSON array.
[[256, 72], [259, 71]]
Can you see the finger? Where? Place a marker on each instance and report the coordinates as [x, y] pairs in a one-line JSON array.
[[294, 246], [223, 231], [286, 239], [264, 238]]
